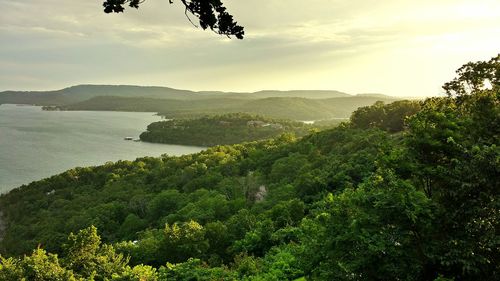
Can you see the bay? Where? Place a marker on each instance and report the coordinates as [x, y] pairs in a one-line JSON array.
[[35, 144]]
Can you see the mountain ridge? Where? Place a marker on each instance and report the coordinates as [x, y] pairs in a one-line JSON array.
[[78, 93], [170, 102]]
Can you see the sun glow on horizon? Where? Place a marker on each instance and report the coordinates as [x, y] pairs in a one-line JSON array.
[[395, 47]]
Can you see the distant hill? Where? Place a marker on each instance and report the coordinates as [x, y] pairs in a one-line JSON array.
[[81, 93], [291, 108], [309, 94], [288, 108], [112, 103], [374, 95], [295, 105], [309, 109], [84, 92], [38, 98]]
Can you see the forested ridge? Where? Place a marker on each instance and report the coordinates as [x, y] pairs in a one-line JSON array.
[[221, 129], [295, 108], [404, 191], [80, 93], [175, 103]]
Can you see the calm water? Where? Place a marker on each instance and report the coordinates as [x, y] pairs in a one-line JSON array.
[[35, 144]]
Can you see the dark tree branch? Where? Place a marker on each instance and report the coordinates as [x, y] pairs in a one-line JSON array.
[[187, 16], [211, 14]]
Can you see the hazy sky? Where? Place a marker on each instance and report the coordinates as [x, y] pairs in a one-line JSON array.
[[395, 47]]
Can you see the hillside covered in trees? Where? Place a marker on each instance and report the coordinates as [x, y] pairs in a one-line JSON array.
[[404, 191], [79, 93], [295, 108], [221, 129], [296, 105]]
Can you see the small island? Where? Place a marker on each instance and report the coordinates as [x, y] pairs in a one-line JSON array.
[[221, 129]]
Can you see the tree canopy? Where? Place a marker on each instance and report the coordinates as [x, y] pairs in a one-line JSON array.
[[221, 129], [475, 76], [211, 14], [405, 191]]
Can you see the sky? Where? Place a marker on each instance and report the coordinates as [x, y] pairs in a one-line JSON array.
[[394, 47]]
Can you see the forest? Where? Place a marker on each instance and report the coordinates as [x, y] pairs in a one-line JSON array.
[[403, 191], [221, 129], [175, 103], [295, 108]]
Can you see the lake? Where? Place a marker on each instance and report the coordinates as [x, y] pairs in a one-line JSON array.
[[36, 144]]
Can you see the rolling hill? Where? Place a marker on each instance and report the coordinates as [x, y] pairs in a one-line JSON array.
[[84, 92], [81, 93], [296, 104], [288, 108]]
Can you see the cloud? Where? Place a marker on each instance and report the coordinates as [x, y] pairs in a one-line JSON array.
[[305, 44]]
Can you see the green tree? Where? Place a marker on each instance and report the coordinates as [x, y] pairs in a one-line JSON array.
[[164, 203], [454, 143], [473, 77], [376, 232], [183, 241], [88, 258], [136, 273], [390, 117], [193, 269], [131, 226], [145, 250], [258, 240], [219, 241], [369, 116], [280, 263], [39, 266]]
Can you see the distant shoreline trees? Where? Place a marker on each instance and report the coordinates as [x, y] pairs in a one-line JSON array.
[[221, 129]]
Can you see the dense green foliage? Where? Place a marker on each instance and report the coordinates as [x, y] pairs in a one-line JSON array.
[[358, 202], [221, 129], [389, 117]]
